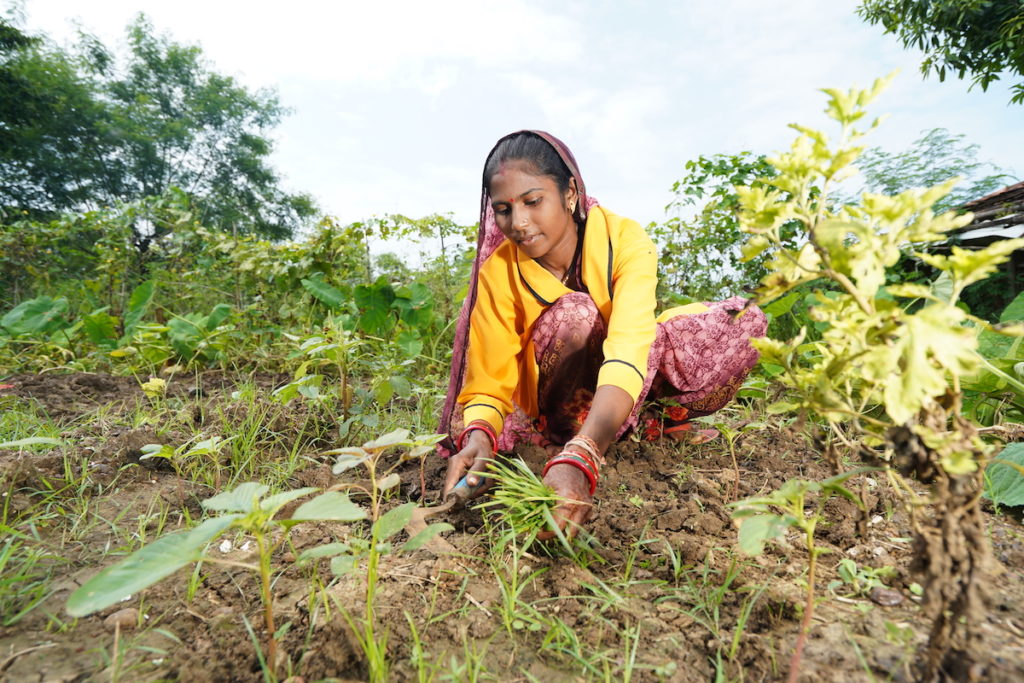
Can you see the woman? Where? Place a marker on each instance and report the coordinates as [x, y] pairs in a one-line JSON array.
[[558, 343]]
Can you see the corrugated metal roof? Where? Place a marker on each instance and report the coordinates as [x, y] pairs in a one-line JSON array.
[[995, 216]]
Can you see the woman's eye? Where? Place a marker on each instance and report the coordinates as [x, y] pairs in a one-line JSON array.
[[503, 211], [532, 202]]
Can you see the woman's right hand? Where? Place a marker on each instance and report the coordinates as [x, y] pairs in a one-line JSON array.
[[476, 453]]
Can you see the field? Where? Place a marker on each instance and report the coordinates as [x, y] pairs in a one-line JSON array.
[[656, 591]]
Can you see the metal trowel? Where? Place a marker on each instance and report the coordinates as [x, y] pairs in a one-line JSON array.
[[455, 499]]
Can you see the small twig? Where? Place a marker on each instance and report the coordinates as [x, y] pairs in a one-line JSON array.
[[477, 604], [10, 660]]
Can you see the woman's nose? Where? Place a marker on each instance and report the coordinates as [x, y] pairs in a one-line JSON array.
[[519, 218]]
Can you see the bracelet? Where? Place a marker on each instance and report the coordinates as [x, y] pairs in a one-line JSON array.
[[579, 462], [594, 467], [483, 427], [588, 445]]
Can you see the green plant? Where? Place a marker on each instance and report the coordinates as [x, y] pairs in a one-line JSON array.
[[886, 374], [702, 592], [521, 505], [345, 557], [767, 517], [246, 508], [860, 580], [183, 458]]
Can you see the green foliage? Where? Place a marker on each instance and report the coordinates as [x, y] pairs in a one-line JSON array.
[[521, 505], [873, 351], [699, 255], [371, 456], [979, 38], [763, 518], [861, 580], [1005, 477], [933, 158], [92, 128]]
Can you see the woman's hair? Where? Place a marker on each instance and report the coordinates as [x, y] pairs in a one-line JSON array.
[[532, 149]]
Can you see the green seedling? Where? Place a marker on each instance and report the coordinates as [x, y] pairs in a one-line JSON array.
[[246, 508], [768, 517], [861, 580], [184, 459], [347, 556], [732, 436]]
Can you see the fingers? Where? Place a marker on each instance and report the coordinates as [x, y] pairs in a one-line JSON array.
[[572, 485], [457, 466], [570, 518], [470, 462], [473, 477]]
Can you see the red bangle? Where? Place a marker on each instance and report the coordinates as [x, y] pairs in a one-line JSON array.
[[586, 458], [576, 462], [482, 426]]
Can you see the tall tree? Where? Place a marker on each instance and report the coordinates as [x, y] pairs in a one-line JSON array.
[[50, 151], [112, 128], [933, 158], [980, 38]]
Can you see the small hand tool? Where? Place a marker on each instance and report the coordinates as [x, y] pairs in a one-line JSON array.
[[456, 498]]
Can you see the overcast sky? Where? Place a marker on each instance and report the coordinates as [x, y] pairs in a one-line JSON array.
[[395, 104]]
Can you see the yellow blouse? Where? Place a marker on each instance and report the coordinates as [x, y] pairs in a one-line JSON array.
[[619, 270]]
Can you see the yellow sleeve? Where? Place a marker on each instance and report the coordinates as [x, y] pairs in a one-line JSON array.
[[631, 327], [492, 368]]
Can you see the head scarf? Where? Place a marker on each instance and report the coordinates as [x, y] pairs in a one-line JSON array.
[[488, 238]]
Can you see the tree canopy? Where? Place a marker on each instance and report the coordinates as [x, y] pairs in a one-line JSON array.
[[982, 38], [83, 127]]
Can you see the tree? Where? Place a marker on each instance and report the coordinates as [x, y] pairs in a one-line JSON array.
[[982, 38], [933, 158], [107, 129], [700, 256], [49, 128]]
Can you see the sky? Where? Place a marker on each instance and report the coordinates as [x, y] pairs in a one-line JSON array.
[[394, 105]]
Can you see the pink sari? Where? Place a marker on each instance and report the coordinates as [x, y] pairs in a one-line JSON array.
[[697, 361]]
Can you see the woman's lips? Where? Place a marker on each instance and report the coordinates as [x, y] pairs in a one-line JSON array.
[[527, 241]]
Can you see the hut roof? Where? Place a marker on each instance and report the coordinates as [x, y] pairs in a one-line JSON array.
[[997, 216]]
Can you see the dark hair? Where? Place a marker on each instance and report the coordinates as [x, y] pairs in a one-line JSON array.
[[532, 149]]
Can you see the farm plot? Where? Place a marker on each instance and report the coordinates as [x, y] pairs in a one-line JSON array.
[[657, 589]]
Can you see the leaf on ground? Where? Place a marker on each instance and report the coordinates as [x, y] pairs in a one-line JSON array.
[[32, 441]]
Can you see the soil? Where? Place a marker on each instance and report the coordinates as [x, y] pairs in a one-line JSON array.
[[633, 608]]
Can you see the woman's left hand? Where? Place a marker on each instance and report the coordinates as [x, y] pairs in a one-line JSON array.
[[572, 485]]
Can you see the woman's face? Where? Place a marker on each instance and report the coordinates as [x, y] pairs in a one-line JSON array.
[[532, 212]]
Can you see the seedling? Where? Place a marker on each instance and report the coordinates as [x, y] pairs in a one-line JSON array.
[[183, 458], [861, 579], [764, 518], [244, 509], [346, 556]]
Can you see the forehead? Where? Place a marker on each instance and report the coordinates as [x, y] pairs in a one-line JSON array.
[[516, 176]]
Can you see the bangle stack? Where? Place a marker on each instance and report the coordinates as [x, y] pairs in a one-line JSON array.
[[587, 459], [483, 427]]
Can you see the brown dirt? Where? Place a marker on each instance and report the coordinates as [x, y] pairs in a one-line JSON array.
[[653, 497]]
